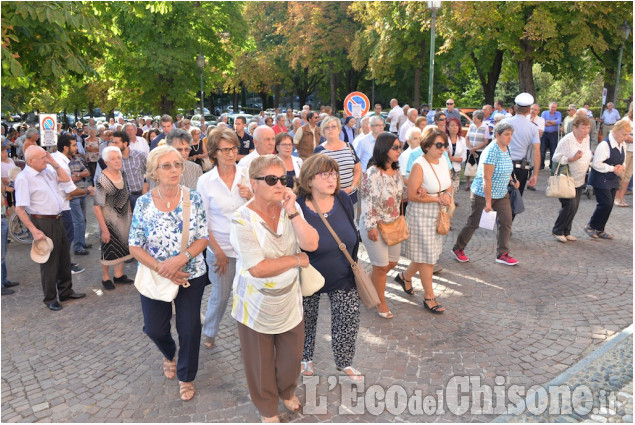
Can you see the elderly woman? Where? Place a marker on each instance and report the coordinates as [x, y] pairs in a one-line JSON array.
[[198, 150], [155, 241], [489, 190], [457, 152], [181, 140], [269, 121], [429, 186], [573, 150], [284, 149], [348, 131], [112, 211], [280, 127], [223, 189], [606, 169], [266, 234], [91, 145], [628, 163], [319, 194], [343, 154], [476, 139], [382, 192]]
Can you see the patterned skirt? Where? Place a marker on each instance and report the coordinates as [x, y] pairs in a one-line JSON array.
[[424, 244]]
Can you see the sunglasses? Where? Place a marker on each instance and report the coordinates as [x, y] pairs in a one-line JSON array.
[[168, 166], [395, 147], [272, 180], [449, 103], [440, 145], [441, 119]]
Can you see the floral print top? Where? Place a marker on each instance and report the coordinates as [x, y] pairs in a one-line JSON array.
[[381, 197], [159, 233]]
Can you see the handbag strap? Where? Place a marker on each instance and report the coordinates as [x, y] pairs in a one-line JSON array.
[[340, 245], [186, 218], [435, 175]]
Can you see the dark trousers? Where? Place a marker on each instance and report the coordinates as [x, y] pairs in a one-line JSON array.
[[547, 141], [272, 365], [503, 218], [567, 213], [156, 324], [133, 199], [67, 219], [56, 272], [522, 176], [605, 199]]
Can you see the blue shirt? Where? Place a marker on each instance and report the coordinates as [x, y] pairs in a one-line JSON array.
[[547, 116], [610, 117], [524, 136], [503, 167], [364, 150]]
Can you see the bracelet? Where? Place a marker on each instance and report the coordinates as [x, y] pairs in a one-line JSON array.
[[294, 215], [297, 258]]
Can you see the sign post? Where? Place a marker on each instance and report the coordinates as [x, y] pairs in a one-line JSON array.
[[48, 129]]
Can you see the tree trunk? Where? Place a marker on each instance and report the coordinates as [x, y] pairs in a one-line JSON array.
[[91, 106], [263, 97], [525, 73], [235, 100], [167, 106], [417, 88], [489, 80], [333, 90]]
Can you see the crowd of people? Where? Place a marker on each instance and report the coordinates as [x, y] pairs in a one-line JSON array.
[[245, 209]]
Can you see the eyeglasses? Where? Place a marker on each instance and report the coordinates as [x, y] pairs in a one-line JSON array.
[[285, 145], [330, 127], [185, 149], [377, 125], [440, 145], [166, 166], [441, 119], [226, 151], [272, 180], [395, 147], [328, 175], [449, 103]]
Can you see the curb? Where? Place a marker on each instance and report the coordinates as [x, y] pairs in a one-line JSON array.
[[564, 376]]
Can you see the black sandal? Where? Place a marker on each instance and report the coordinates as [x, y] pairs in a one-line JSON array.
[[435, 309], [402, 281]]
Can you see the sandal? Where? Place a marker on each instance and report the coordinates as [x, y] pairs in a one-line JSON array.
[[307, 368], [386, 315], [169, 368], [292, 405], [208, 341], [604, 235], [186, 390], [271, 420], [401, 279], [352, 373], [436, 309]]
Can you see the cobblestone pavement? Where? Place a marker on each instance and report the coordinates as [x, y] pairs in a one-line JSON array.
[[522, 325]]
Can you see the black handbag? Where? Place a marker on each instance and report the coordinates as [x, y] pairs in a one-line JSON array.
[[515, 199]]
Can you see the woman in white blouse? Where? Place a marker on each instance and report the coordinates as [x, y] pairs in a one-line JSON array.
[[267, 234], [573, 150], [284, 148], [457, 151], [224, 189]]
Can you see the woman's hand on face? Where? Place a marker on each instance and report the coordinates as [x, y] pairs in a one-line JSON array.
[[220, 263], [304, 259], [171, 268], [373, 235], [288, 201]]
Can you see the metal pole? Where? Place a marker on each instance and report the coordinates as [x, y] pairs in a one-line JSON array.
[[617, 80], [202, 96], [432, 36]]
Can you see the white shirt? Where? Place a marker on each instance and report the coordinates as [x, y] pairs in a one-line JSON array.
[[360, 136], [567, 147], [629, 146], [603, 152], [37, 192], [247, 159], [221, 203], [394, 115], [63, 161], [140, 145], [146, 128], [364, 150], [538, 120], [461, 150], [403, 128]]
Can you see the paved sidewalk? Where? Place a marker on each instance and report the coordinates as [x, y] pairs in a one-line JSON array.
[[526, 325]]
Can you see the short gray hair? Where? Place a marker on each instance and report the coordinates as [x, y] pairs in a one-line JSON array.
[[327, 120], [105, 153], [178, 134], [410, 133], [31, 132], [152, 163], [281, 117], [478, 114], [376, 120], [502, 127], [129, 124]]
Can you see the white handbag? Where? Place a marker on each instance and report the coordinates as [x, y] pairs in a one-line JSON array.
[[311, 280], [470, 170], [560, 185], [154, 286]]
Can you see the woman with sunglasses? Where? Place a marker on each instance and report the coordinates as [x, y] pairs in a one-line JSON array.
[[319, 191], [343, 153], [489, 190], [267, 234], [155, 241], [429, 185], [382, 192], [224, 189], [284, 148]]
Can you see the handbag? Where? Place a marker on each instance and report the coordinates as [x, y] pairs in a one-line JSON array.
[[443, 219], [154, 286], [206, 165], [515, 199], [470, 169], [560, 186], [311, 280], [365, 287], [396, 231]]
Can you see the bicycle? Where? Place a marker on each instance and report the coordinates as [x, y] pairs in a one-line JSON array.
[[18, 231]]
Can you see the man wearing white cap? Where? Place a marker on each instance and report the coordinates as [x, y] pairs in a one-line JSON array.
[[525, 142], [39, 206]]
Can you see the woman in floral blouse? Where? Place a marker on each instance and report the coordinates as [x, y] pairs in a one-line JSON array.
[[382, 191]]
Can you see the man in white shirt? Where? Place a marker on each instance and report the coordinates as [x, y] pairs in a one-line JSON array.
[[393, 116], [39, 206], [364, 147], [137, 143], [148, 124], [264, 142], [364, 130], [412, 115], [534, 116]]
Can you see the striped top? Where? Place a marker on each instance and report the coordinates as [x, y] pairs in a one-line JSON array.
[[346, 159], [478, 135]]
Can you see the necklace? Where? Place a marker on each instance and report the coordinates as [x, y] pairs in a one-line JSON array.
[[161, 196]]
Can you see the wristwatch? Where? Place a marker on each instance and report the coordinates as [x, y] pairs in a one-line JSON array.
[[188, 255]]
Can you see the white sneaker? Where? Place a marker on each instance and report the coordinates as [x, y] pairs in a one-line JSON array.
[[571, 238], [560, 238]]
